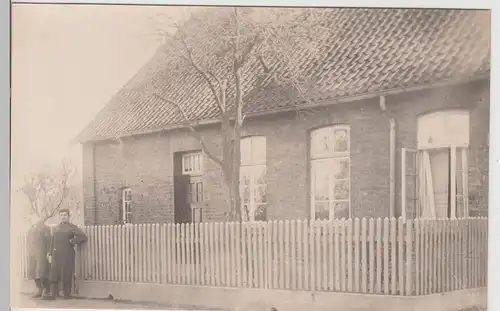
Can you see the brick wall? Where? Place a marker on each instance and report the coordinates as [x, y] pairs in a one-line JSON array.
[[473, 97], [88, 174], [145, 163], [479, 153]]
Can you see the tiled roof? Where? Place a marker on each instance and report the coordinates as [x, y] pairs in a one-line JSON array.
[[369, 51]]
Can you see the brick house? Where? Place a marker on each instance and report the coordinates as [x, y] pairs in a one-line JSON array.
[[400, 129]]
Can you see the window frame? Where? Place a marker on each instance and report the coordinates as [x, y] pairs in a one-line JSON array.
[[458, 153], [197, 155], [194, 192], [253, 175], [126, 212], [423, 183], [329, 161], [443, 115]]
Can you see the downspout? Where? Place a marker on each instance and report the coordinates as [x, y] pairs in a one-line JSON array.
[[392, 166], [392, 158], [94, 187]]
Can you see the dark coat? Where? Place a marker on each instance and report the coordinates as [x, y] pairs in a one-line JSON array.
[[39, 238], [62, 251]]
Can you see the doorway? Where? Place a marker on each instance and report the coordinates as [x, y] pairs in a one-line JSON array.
[[188, 187]]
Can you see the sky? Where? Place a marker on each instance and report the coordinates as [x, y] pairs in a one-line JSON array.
[[67, 63]]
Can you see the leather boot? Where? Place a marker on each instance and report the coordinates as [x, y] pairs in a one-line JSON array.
[[53, 292], [67, 289], [39, 289], [46, 287]]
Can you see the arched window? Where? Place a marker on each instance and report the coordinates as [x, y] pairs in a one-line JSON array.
[[443, 129], [330, 172], [253, 186], [434, 182]]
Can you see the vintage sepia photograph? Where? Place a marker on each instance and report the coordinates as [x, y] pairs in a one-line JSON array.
[[249, 158]]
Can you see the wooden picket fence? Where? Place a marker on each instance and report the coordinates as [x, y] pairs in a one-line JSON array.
[[377, 256]]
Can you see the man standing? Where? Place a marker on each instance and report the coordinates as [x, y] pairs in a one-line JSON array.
[[61, 255], [39, 239]]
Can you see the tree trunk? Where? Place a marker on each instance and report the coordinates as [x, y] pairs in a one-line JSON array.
[[236, 175], [231, 180], [238, 122], [235, 186]]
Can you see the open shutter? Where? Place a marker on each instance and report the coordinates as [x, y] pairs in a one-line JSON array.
[[244, 193], [409, 183], [453, 182], [461, 182]]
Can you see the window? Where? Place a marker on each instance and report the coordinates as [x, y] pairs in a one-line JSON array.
[[192, 163], [253, 186], [127, 205], [195, 192], [434, 180], [330, 172], [443, 129]]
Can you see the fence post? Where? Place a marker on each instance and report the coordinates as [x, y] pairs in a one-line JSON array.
[[343, 255], [233, 253], [372, 254], [379, 266], [338, 262], [286, 254], [386, 256], [364, 262], [301, 255], [401, 259], [293, 227], [409, 257], [357, 259], [349, 254], [393, 251]]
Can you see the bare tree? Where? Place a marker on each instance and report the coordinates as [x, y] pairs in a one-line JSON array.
[[227, 55], [111, 195], [48, 191]]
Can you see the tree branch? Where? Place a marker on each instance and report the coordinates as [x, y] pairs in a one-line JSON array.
[[237, 74], [64, 188], [191, 128], [246, 52], [34, 209], [263, 64], [205, 75], [204, 146], [46, 193], [29, 190], [221, 84], [236, 41]]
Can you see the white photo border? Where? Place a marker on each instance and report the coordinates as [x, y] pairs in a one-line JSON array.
[[494, 156]]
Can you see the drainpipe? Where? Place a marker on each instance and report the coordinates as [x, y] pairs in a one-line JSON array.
[[392, 166], [392, 158], [94, 188]]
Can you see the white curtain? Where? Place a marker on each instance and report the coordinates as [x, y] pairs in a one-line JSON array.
[[427, 207]]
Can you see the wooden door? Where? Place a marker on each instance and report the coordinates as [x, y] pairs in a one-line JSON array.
[[182, 209]]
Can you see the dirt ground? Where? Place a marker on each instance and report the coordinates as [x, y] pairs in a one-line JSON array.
[[25, 301]]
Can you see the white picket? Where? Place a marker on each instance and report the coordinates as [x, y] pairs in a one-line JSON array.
[[374, 256]]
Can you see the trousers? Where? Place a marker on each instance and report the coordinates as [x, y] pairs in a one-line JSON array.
[[43, 287], [67, 286]]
